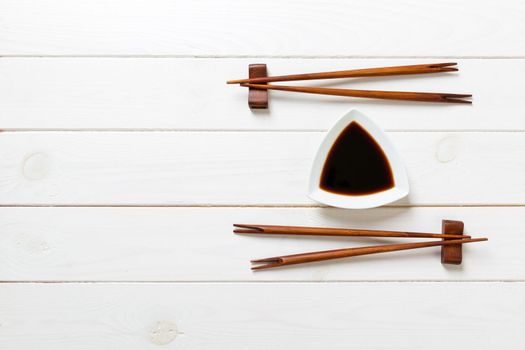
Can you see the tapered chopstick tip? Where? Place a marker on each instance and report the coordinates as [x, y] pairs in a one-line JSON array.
[[243, 228], [266, 263]]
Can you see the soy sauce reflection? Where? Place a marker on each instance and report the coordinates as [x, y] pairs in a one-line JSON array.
[[356, 164]]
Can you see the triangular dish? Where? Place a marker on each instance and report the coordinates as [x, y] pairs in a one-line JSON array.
[[398, 190]]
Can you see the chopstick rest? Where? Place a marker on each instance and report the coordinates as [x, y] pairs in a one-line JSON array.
[[451, 242], [451, 254], [257, 98]]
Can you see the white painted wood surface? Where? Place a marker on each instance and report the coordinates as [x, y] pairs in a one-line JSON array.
[[433, 316], [236, 168], [125, 159], [272, 27], [191, 94], [197, 244]]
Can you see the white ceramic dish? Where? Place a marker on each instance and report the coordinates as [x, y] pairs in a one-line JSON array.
[[398, 191]]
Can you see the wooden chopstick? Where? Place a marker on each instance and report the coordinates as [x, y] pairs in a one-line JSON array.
[[354, 73], [387, 95], [348, 252], [321, 231]]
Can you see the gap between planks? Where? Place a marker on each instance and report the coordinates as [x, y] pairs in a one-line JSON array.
[[277, 206], [371, 57], [190, 130], [262, 281]]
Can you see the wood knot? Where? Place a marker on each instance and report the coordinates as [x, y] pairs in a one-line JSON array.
[[36, 166], [164, 332], [447, 149], [32, 245]]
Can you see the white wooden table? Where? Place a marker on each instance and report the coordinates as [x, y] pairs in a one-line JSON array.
[[125, 159]]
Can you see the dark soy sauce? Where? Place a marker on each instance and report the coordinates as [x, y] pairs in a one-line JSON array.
[[356, 164]]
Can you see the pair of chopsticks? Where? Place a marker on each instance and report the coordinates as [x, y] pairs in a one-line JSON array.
[[278, 261], [262, 83]]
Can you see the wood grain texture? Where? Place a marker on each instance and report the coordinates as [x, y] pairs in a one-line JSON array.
[[432, 97], [257, 99], [452, 254], [232, 168], [337, 231], [313, 257], [303, 316], [164, 93], [273, 27], [197, 244], [424, 68], [103, 66]]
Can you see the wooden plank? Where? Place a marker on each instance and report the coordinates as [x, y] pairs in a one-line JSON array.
[[232, 168], [262, 316], [191, 94], [273, 27], [197, 244]]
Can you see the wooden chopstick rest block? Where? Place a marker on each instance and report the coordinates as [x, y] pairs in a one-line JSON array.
[[452, 254], [257, 98]]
